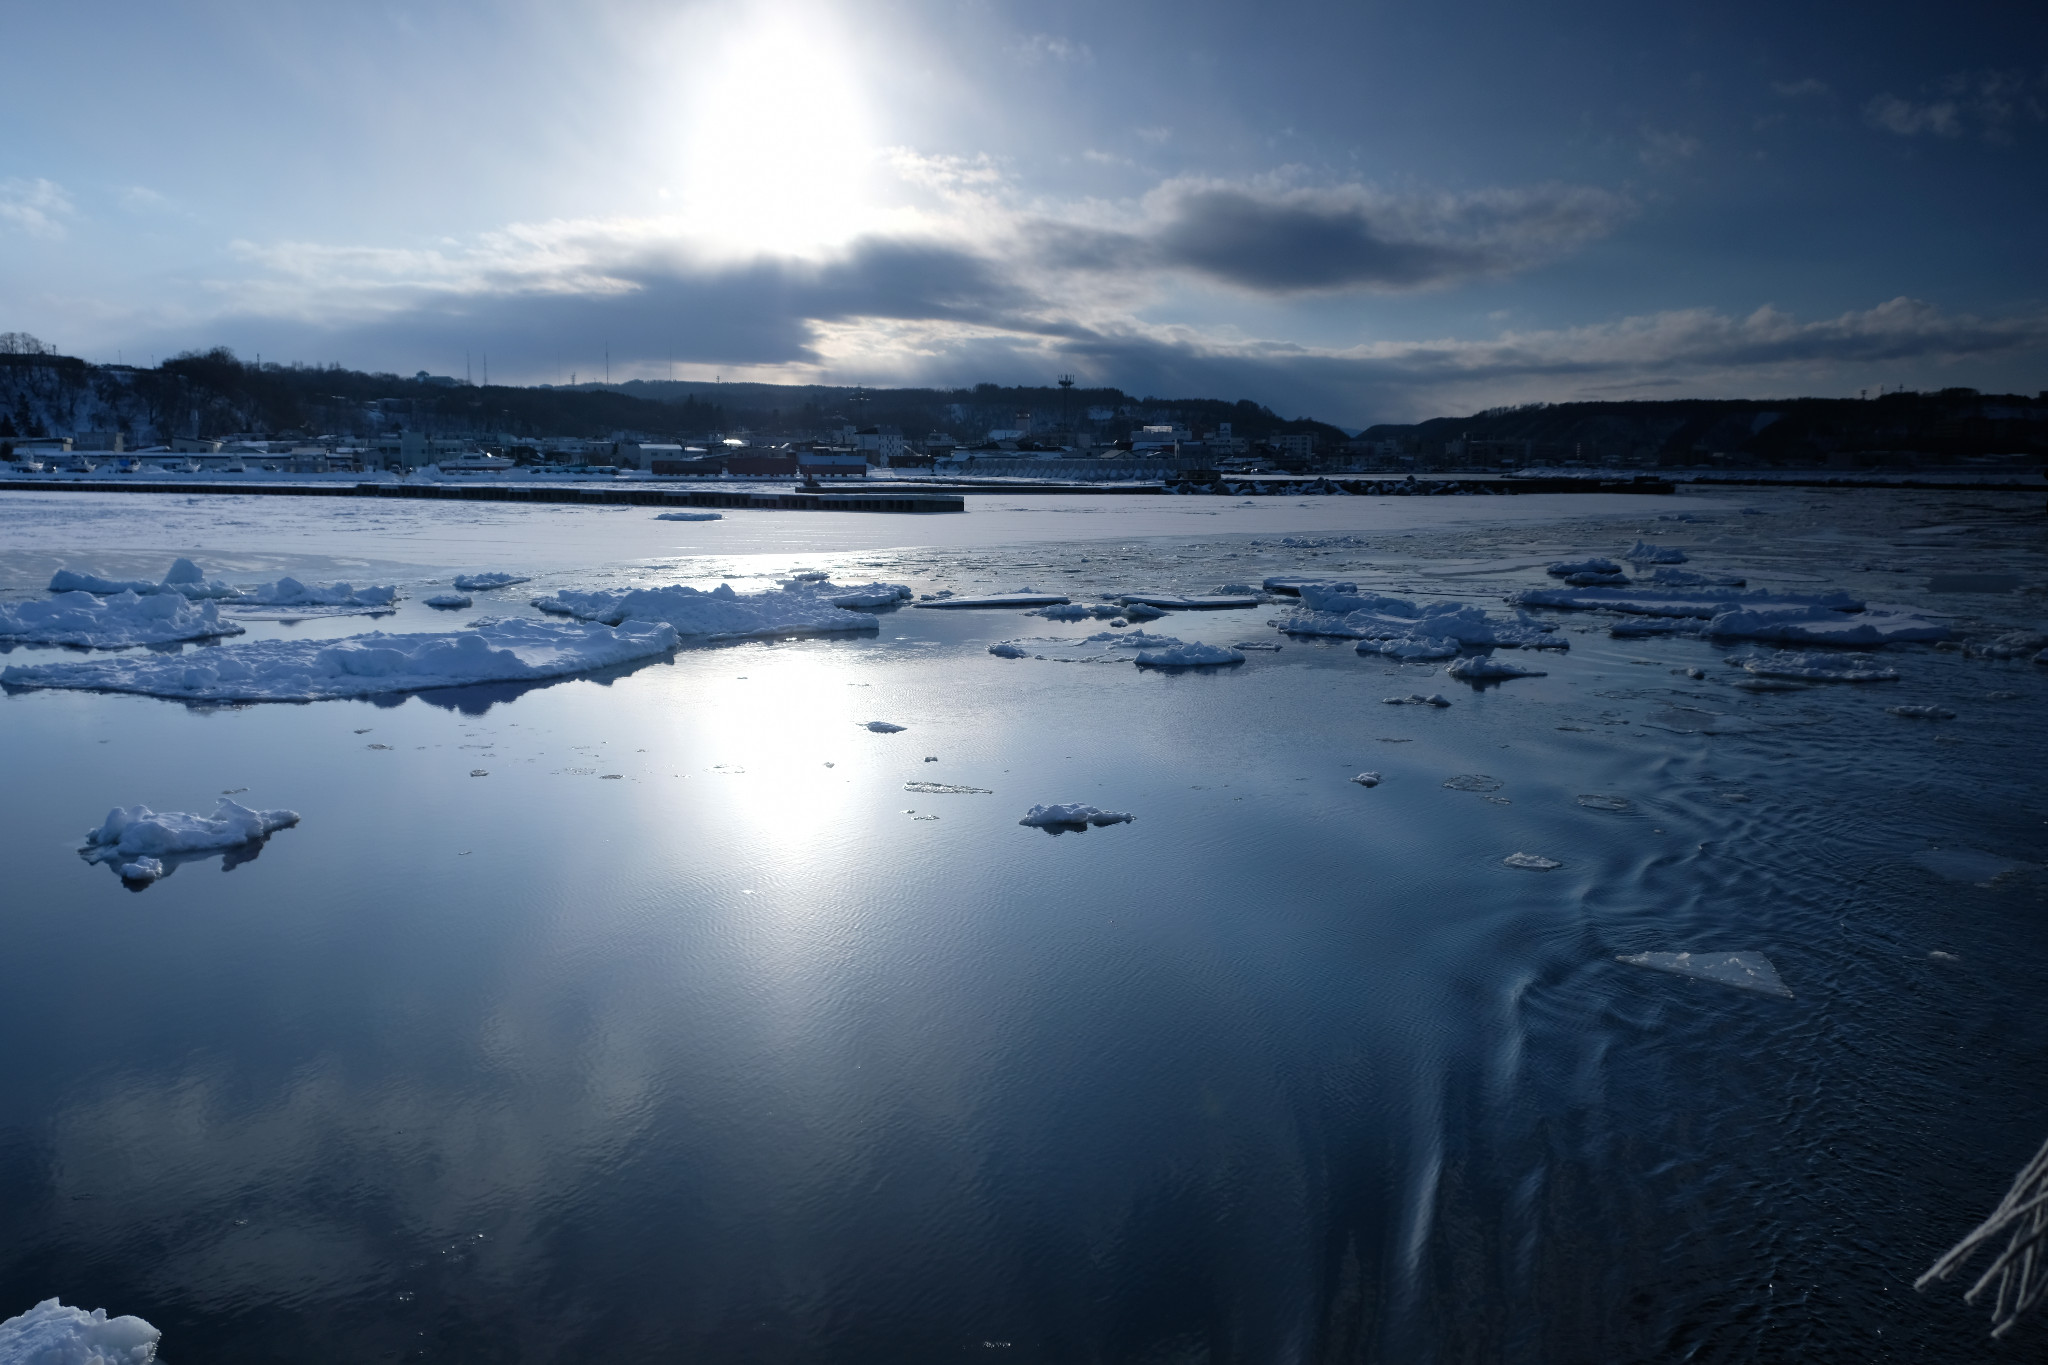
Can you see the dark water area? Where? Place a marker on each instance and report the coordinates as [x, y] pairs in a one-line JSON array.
[[664, 1039]]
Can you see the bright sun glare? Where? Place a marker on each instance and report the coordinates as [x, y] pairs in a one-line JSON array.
[[778, 152]]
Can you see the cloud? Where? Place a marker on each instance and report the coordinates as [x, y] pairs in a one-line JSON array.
[[1994, 103], [37, 207], [1661, 148], [1045, 47]]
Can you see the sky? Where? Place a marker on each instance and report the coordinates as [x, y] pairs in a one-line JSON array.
[[1359, 212]]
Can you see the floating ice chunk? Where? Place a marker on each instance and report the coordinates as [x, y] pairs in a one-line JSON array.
[[1685, 578], [1075, 816], [1007, 599], [1188, 656], [1607, 803], [136, 839], [1921, 712], [52, 1334], [883, 727], [1486, 668], [806, 608], [1411, 647], [1744, 971], [484, 582], [1103, 647], [1642, 552], [1140, 612], [945, 788], [451, 601], [2011, 645], [1266, 646], [1473, 782], [689, 516], [185, 578], [1567, 568], [1177, 602], [1236, 589], [1680, 602], [112, 622], [1816, 668], [290, 592], [1968, 865], [1819, 625], [1082, 611], [1367, 779], [517, 650], [1417, 699], [1291, 587], [1643, 626], [1532, 862], [1373, 616]]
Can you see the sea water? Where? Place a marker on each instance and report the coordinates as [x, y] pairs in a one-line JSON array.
[[671, 1013]]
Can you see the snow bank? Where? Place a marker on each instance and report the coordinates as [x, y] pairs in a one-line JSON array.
[[1816, 668], [1744, 971], [368, 665], [290, 592], [184, 578], [1642, 552], [82, 618], [136, 839], [451, 601], [1075, 816], [484, 582], [798, 608], [1679, 602], [1188, 656], [52, 1334], [1820, 626], [1486, 668], [1373, 616], [689, 516]]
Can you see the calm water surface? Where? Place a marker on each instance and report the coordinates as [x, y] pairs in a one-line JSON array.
[[686, 1032]]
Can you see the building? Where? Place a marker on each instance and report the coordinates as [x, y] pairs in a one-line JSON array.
[[833, 464], [1296, 445], [878, 445], [99, 440], [686, 460], [1160, 438], [749, 466]]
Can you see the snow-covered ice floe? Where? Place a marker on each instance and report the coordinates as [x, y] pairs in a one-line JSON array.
[[1411, 647], [689, 516], [52, 1334], [1417, 699], [95, 622], [491, 651], [1702, 604], [1642, 552], [136, 839], [288, 597], [1006, 599], [484, 582], [1075, 816], [1531, 862], [797, 608], [1686, 578], [1921, 712], [1486, 668], [1820, 626], [1083, 611], [1589, 573], [185, 578], [1291, 587], [1744, 971], [1372, 616], [883, 727], [1179, 602], [945, 789], [1367, 779], [1815, 668], [451, 601], [1103, 647], [1182, 655]]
